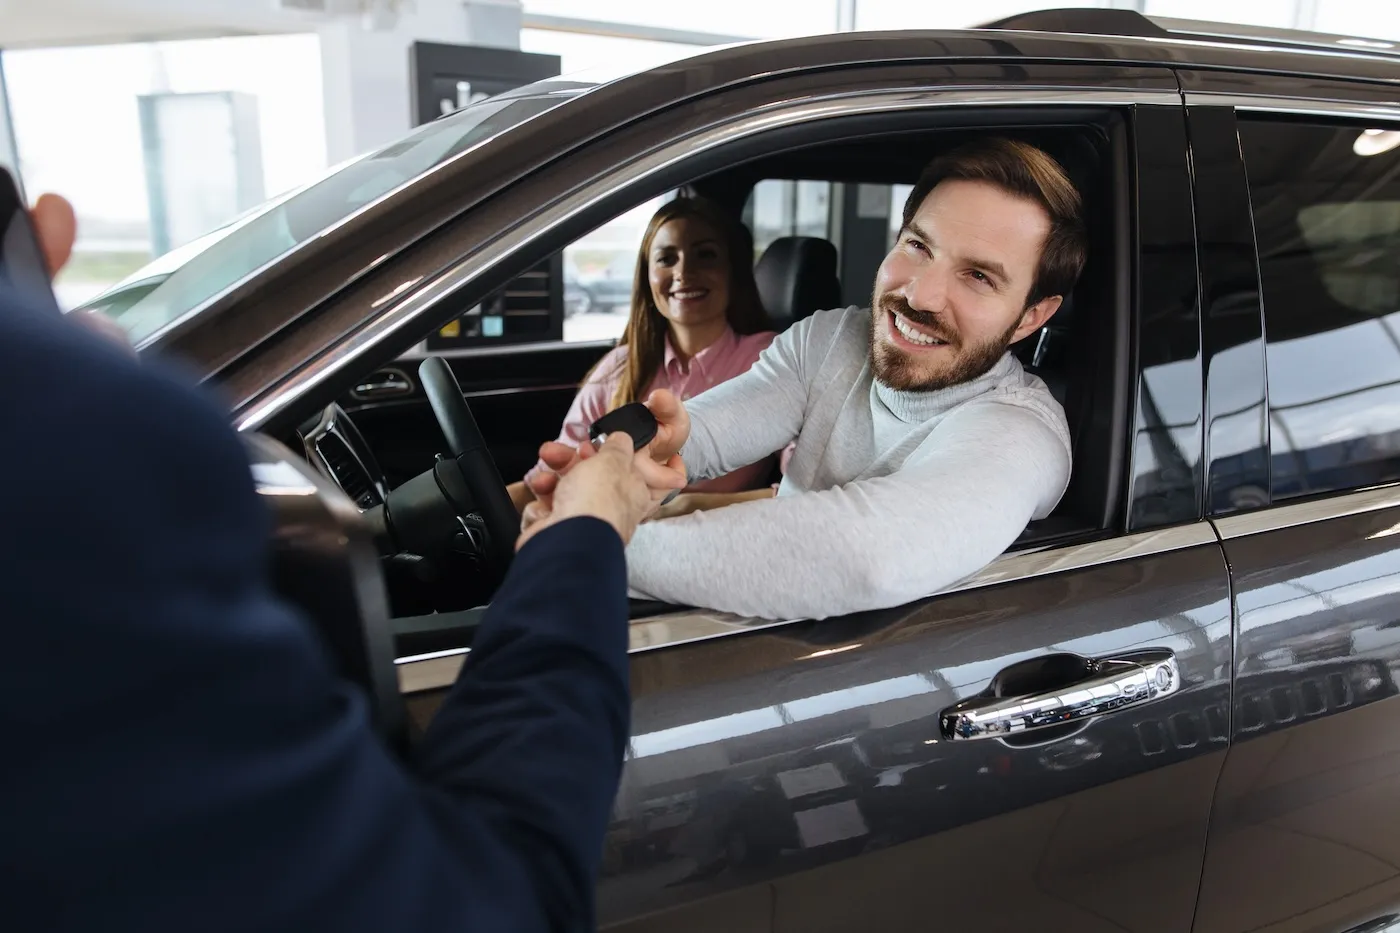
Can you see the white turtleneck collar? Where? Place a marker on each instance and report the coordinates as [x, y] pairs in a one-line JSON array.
[[915, 407]]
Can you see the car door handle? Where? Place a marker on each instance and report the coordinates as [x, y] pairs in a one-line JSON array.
[[386, 383], [1111, 683]]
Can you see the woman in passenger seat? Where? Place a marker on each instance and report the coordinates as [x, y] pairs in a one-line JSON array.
[[696, 321]]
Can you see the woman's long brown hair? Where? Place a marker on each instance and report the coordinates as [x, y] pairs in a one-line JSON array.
[[645, 335]]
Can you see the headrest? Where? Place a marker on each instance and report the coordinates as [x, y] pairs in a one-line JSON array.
[[797, 276]]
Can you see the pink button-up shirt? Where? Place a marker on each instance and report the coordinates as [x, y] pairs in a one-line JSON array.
[[724, 359]]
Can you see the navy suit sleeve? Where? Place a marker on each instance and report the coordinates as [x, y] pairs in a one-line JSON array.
[[179, 752]]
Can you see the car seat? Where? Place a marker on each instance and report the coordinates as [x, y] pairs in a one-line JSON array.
[[796, 277]]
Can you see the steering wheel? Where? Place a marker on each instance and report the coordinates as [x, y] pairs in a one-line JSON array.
[[468, 448]]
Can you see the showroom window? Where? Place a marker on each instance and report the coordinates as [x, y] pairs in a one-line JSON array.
[[898, 195], [783, 207], [599, 271], [771, 18], [580, 51], [159, 110]]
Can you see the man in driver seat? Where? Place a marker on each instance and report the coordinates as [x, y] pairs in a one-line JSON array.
[[922, 447]]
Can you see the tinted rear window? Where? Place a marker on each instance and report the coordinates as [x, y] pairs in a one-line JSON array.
[[1327, 218]]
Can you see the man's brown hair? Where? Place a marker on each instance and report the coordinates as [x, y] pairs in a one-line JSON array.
[[1023, 171]]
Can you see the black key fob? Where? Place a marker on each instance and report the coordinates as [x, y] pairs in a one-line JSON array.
[[635, 419]]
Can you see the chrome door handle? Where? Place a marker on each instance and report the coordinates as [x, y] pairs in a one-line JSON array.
[[383, 384], [1113, 682]]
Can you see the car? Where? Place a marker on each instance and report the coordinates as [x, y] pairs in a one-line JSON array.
[[1171, 706], [606, 289]]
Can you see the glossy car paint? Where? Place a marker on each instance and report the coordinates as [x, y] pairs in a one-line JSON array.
[[806, 764], [1168, 413], [1305, 833], [1237, 430]]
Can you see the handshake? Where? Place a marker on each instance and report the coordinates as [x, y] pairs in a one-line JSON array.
[[612, 482]]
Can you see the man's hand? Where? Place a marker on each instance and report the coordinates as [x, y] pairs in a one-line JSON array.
[[663, 478], [56, 229], [612, 483], [672, 424], [660, 465]]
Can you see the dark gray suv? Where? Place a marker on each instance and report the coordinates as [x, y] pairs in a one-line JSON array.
[[1171, 706]]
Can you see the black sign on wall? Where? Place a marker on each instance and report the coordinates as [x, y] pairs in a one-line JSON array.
[[446, 78]]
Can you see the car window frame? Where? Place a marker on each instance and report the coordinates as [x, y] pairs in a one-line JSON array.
[[500, 255], [519, 238]]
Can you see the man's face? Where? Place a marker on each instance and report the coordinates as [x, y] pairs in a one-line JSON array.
[[951, 296]]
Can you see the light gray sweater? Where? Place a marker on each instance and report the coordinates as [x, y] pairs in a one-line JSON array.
[[890, 496]]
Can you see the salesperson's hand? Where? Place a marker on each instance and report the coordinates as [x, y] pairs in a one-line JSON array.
[[611, 483], [56, 228]]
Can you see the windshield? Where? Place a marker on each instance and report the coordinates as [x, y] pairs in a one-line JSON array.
[[180, 282]]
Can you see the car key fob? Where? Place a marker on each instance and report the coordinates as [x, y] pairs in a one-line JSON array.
[[635, 419]]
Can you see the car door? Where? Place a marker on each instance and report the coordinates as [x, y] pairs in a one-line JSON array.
[[1305, 833], [805, 778]]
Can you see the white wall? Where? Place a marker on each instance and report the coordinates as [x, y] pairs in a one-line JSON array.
[[757, 18], [366, 72]]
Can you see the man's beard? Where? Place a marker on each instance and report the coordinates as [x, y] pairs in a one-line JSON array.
[[900, 369]]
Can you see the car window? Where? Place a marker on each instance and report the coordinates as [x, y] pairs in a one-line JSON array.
[[582, 294], [596, 272], [898, 195], [182, 281], [599, 271], [1326, 203]]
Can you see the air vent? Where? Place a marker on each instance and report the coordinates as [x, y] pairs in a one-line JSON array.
[[347, 471]]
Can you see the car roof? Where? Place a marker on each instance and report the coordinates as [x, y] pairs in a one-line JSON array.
[[1090, 21]]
